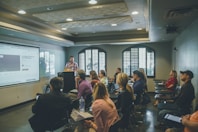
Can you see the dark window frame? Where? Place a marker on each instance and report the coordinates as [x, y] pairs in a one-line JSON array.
[[93, 48], [147, 49]]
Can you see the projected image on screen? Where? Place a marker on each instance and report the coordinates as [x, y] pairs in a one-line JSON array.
[[18, 64], [9, 63]]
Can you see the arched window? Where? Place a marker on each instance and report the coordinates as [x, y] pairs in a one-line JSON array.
[[92, 59], [139, 57]]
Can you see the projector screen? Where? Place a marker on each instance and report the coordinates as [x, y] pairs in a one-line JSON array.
[[18, 64]]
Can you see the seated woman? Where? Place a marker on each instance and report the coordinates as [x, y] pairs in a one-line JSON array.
[[125, 99], [94, 78], [103, 109], [138, 86], [171, 83], [144, 78], [83, 86], [103, 78]]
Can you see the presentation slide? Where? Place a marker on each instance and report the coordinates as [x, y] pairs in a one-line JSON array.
[[18, 64]]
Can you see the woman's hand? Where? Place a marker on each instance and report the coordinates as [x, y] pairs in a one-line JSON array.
[[185, 119], [90, 124]]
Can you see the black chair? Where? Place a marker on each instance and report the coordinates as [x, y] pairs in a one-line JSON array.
[[115, 127], [62, 122], [88, 101]]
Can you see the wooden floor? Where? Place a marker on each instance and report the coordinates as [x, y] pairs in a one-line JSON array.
[[16, 120]]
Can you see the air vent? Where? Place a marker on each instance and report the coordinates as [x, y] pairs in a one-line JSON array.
[[181, 12], [171, 29]]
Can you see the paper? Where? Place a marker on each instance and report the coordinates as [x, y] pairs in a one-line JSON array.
[[78, 116], [173, 118], [73, 91]]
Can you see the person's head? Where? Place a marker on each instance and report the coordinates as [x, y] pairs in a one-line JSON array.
[[142, 70], [186, 75], [102, 73], [137, 75], [100, 91], [173, 73], [143, 74], [81, 74], [56, 84], [71, 58], [93, 75], [122, 80], [118, 70]]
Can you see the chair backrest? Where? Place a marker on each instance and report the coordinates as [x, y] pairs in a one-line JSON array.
[[58, 124], [88, 101], [60, 119]]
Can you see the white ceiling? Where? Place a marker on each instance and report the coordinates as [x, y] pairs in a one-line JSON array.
[[160, 20]]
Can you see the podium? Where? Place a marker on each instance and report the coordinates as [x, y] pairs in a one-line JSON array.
[[68, 79]]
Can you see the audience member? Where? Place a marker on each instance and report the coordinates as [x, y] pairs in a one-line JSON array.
[[125, 99], [103, 78], [182, 103], [71, 65], [144, 77], [50, 108], [190, 123], [83, 86], [103, 109], [138, 86], [171, 83], [94, 78], [118, 70]]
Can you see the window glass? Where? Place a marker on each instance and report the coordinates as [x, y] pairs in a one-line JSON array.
[[92, 59], [139, 57]]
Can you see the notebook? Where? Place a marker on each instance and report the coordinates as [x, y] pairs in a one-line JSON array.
[[78, 116]]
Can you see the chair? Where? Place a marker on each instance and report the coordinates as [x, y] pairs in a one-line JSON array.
[[167, 96], [88, 101], [62, 122]]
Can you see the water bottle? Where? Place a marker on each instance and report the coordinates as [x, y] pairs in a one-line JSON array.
[[82, 104]]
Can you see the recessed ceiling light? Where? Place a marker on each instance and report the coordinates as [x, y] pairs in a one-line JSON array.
[[135, 13], [114, 24], [64, 28], [49, 8], [139, 28], [93, 2], [69, 19], [21, 12]]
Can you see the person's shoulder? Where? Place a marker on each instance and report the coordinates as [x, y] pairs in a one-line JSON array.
[[98, 102]]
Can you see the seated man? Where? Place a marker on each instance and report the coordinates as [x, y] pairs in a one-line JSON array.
[[182, 103], [190, 123], [50, 108]]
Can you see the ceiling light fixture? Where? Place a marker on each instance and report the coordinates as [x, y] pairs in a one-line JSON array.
[[93, 2], [49, 8], [69, 19], [64, 28], [114, 24], [21, 12], [139, 28], [135, 13]]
